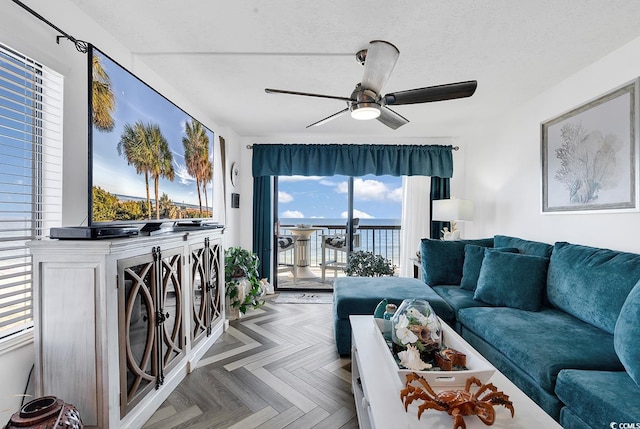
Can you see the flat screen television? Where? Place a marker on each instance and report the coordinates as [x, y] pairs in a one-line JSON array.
[[149, 161]]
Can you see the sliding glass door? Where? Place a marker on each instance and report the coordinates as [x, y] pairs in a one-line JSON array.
[[316, 208]]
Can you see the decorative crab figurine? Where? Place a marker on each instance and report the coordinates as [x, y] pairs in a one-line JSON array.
[[456, 403]]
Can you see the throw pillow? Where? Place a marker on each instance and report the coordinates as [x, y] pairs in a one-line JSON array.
[[527, 247], [512, 280], [473, 257], [626, 336], [442, 260]]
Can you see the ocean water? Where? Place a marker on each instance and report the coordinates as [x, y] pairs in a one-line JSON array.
[[337, 221]]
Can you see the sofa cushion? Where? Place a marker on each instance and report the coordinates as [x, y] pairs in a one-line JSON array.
[[361, 295], [457, 297], [626, 336], [473, 257], [542, 343], [512, 280], [526, 247], [547, 400], [442, 260], [591, 283], [569, 420], [598, 397]]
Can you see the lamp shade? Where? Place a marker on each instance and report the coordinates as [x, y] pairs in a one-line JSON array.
[[452, 210]]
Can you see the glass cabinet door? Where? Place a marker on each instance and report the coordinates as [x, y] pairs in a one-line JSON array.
[[206, 288], [169, 312], [137, 329], [216, 284], [150, 321]]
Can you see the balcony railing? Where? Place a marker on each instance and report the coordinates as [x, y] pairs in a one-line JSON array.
[[380, 239]]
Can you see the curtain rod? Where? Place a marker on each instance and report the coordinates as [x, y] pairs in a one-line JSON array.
[[81, 45], [453, 148]]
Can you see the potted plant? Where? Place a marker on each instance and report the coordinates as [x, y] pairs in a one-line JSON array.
[[242, 286], [366, 264]]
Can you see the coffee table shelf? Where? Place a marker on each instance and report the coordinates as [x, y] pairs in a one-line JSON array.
[[376, 390]]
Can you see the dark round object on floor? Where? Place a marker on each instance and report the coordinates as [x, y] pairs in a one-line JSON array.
[[46, 412]]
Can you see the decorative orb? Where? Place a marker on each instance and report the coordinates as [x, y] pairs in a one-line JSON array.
[[415, 323]]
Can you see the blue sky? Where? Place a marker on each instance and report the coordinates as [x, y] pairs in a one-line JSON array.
[[136, 101], [375, 197]]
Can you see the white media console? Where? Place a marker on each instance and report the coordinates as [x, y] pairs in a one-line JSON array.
[[120, 322]]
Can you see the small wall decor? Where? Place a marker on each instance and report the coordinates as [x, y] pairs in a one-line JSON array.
[[234, 174], [589, 155], [235, 201]]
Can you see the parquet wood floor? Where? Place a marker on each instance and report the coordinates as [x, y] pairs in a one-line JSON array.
[[276, 367]]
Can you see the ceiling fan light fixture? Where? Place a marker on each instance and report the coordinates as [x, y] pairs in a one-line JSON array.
[[367, 102], [365, 111]]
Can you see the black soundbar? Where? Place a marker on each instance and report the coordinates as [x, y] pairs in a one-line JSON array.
[[92, 232]]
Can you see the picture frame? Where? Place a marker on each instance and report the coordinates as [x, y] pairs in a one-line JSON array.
[[590, 155]]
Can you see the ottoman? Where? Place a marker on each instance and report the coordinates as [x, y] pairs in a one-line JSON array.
[[361, 295]]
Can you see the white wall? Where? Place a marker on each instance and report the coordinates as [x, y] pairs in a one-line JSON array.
[[233, 225], [503, 171], [16, 360]]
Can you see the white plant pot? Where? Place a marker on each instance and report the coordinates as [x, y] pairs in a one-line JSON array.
[[233, 313]]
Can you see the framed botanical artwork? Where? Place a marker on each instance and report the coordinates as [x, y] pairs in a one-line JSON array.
[[589, 155]]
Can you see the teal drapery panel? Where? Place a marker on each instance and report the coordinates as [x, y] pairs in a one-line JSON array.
[[262, 223], [351, 160], [440, 190]]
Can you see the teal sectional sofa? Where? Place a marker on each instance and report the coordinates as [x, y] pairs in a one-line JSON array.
[[561, 321]]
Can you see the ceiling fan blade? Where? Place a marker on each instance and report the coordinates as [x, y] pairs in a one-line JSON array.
[[391, 119], [306, 94], [328, 118], [379, 63], [448, 91]]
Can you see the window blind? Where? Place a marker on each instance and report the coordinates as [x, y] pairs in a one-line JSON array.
[[31, 98]]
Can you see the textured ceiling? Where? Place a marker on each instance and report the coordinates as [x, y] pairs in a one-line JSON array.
[[222, 55]]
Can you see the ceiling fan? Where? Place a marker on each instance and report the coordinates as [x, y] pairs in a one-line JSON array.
[[366, 100]]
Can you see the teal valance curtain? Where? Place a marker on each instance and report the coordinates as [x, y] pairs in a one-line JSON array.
[[328, 160], [351, 160]]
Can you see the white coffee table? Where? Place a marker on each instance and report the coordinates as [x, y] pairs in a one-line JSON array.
[[377, 396]]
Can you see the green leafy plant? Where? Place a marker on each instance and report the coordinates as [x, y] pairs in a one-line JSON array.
[[366, 264], [240, 263]]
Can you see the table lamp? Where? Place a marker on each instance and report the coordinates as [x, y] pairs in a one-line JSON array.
[[452, 210]]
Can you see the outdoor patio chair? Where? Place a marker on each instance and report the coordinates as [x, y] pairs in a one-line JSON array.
[[286, 243], [335, 245]]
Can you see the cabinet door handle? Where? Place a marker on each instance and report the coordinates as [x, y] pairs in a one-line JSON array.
[[161, 317]]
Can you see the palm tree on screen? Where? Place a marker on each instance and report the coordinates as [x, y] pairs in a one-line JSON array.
[[206, 175], [144, 147], [134, 147], [196, 156], [103, 100], [161, 160]]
